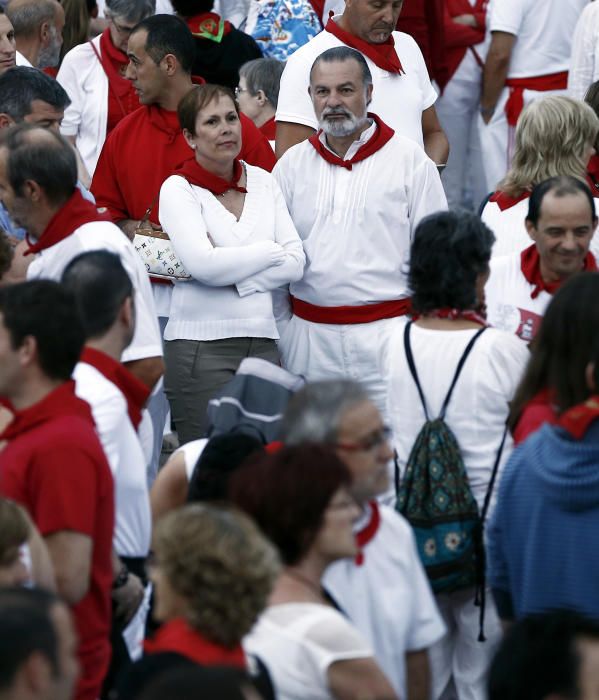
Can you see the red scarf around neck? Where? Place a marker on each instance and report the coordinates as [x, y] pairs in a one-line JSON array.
[[578, 419], [531, 269], [178, 637], [62, 401], [383, 55], [505, 201], [195, 174], [367, 533], [380, 137], [135, 391], [75, 212], [113, 59], [209, 25], [454, 315]]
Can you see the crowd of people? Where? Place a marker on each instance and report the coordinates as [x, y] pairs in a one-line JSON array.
[[299, 359]]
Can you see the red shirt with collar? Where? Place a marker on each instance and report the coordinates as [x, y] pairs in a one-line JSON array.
[[54, 466], [144, 149]]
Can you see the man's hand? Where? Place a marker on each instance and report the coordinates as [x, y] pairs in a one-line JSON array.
[[128, 598], [129, 226]]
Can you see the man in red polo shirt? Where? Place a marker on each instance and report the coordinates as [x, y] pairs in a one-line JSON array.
[[52, 462]]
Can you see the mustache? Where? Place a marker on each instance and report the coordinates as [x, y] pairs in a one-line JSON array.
[[337, 112]]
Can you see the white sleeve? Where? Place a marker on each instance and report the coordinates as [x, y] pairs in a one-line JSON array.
[[71, 82], [336, 639], [294, 103], [507, 16], [216, 267], [583, 64], [286, 236], [426, 195]]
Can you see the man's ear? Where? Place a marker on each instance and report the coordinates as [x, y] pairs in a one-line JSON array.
[[531, 230], [32, 191], [127, 313], [28, 351], [590, 376], [45, 33], [368, 94], [5, 120], [170, 63]]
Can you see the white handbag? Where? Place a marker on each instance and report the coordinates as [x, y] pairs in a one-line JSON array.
[[156, 252]]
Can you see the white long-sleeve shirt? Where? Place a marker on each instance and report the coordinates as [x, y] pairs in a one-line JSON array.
[[235, 264], [584, 64]]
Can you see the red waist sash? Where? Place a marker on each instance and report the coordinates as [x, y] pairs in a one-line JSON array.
[[541, 83], [343, 315]]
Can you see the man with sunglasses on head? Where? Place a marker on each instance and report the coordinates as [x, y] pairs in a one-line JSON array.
[[384, 591]]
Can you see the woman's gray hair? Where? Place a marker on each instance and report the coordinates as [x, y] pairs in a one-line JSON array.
[[263, 74], [313, 414], [130, 10]]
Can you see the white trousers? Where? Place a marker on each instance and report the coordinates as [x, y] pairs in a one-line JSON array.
[[459, 662]]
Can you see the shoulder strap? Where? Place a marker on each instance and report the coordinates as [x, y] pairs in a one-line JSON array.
[[487, 501], [412, 366], [459, 368]]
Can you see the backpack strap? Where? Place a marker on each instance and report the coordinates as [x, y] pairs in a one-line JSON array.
[[458, 370], [412, 366]]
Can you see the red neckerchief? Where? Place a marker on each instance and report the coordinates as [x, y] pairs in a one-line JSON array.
[[209, 25], [135, 391], [593, 173], [195, 174], [116, 59], [75, 212], [531, 269], [383, 55], [504, 201], [165, 121], [61, 402], [178, 637], [269, 129], [577, 419], [380, 137], [366, 534], [454, 315]]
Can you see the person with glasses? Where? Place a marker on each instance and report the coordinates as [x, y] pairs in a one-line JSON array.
[[383, 589], [93, 74], [258, 93], [300, 498]]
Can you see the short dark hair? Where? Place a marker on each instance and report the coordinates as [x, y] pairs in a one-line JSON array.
[[449, 251], [560, 186], [263, 74], [189, 8], [538, 657], [26, 627], [43, 156], [100, 285], [48, 312], [287, 494], [220, 458], [339, 54], [168, 34], [21, 85], [196, 99]]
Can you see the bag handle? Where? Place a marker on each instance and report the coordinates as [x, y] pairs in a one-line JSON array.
[[118, 99]]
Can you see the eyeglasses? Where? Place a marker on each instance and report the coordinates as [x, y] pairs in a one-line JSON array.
[[369, 443], [239, 90], [124, 31]]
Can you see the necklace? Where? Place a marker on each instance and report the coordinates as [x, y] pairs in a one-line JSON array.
[[305, 581]]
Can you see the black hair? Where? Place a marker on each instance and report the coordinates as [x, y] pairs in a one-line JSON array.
[[168, 34], [563, 347], [21, 85], [560, 186], [538, 657], [26, 627], [189, 8], [43, 156], [450, 249], [221, 456], [338, 54], [48, 312], [100, 285]]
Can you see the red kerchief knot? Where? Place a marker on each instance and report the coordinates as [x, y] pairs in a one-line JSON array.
[[383, 55], [195, 174], [531, 269]]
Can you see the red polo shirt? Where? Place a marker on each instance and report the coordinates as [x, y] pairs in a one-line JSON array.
[[53, 465]]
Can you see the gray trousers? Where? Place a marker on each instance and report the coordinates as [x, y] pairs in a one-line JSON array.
[[197, 369]]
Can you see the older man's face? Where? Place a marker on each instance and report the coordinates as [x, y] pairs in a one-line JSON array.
[[372, 20]]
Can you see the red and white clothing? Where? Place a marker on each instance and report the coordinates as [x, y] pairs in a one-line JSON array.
[[540, 60], [411, 89], [356, 225], [538, 411], [516, 294], [385, 592], [269, 129], [54, 466]]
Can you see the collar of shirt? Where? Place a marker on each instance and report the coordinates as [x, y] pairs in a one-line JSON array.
[[365, 137]]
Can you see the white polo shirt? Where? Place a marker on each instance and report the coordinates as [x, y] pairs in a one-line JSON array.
[[508, 226], [387, 596], [398, 99], [103, 235], [133, 523], [544, 30]]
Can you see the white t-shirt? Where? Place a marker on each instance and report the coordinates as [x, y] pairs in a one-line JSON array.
[[510, 306], [388, 597], [398, 99], [133, 522], [584, 63], [298, 642], [544, 30], [234, 264], [479, 405], [357, 225], [191, 452], [103, 235]]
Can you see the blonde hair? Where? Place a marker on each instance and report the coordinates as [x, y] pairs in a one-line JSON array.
[[551, 138], [222, 566]]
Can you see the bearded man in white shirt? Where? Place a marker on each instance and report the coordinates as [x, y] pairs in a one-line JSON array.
[[356, 192]]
